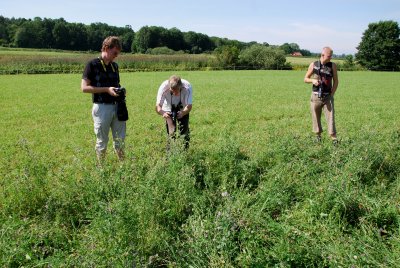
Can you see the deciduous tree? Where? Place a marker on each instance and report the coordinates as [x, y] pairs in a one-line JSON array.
[[379, 48]]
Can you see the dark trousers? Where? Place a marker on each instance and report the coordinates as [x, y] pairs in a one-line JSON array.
[[183, 127]]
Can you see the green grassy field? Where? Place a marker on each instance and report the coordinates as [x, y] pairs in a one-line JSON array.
[[253, 190]]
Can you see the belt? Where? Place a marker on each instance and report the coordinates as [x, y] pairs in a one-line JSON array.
[[324, 94]]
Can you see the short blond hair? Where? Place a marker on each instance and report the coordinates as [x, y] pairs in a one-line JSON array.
[[111, 42], [175, 82]]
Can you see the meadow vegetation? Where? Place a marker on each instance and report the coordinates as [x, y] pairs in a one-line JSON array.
[[253, 190], [42, 61], [39, 61]]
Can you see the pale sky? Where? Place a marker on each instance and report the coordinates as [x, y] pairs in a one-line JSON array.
[[312, 24]]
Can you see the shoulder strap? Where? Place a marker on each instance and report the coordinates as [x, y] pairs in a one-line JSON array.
[[115, 65]]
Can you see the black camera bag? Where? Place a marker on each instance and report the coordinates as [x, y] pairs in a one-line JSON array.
[[122, 111]]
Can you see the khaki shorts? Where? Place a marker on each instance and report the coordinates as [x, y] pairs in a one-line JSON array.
[[104, 118], [317, 105]]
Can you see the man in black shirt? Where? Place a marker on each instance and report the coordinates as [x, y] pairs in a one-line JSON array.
[[101, 78]]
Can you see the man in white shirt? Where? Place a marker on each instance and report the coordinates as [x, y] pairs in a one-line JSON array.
[[174, 103]]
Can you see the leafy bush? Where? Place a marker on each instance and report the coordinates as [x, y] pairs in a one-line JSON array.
[[227, 56], [263, 57], [162, 51]]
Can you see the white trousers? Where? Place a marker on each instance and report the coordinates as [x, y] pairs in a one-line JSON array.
[[104, 118]]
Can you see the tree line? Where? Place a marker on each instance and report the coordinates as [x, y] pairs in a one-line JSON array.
[[60, 34], [379, 48]]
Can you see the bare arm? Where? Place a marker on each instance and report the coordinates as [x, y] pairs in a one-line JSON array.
[[307, 77], [335, 79], [161, 112], [166, 115], [86, 87], [186, 110]]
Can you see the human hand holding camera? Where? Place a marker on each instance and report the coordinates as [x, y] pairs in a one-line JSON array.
[[120, 93], [316, 82], [112, 92], [166, 115], [181, 114], [176, 112]]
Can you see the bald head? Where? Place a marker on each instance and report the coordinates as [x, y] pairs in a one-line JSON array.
[[327, 50], [326, 54]]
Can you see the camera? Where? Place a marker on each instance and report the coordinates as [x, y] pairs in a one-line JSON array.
[[320, 90], [174, 111], [121, 93]]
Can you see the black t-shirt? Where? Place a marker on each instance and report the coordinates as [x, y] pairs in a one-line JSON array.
[[101, 75]]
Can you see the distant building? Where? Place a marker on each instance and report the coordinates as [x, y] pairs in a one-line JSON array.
[[297, 54]]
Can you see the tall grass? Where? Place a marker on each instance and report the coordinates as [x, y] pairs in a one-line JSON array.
[[52, 62], [40, 61], [253, 190]]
